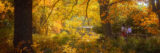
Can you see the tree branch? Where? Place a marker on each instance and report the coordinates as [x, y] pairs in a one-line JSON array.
[[74, 6], [51, 11], [115, 3], [72, 9], [87, 11]]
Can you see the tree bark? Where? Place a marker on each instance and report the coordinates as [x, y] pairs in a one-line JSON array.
[[153, 5], [156, 7], [23, 26], [158, 10], [106, 27]]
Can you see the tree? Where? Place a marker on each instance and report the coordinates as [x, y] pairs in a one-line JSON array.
[[23, 26], [155, 4], [104, 12], [104, 4]]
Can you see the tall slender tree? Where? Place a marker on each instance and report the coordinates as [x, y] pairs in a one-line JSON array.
[[23, 26]]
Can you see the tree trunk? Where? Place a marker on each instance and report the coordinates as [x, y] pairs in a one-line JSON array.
[[156, 7], [106, 27], [23, 26], [153, 5], [158, 10]]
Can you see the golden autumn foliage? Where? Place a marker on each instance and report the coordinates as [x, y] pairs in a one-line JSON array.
[[4, 8], [68, 26], [143, 16]]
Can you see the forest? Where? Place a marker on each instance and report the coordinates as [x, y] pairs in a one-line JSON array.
[[79, 26]]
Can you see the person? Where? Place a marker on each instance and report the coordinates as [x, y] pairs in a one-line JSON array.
[[123, 30], [129, 30]]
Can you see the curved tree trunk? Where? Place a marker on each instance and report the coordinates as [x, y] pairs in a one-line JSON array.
[[23, 26]]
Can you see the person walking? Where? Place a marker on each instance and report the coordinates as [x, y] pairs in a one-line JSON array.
[[123, 30], [129, 30]]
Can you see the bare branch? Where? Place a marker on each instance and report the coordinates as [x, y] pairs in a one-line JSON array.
[[70, 13], [115, 3], [87, 11], [51, 11], [74, 6]]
